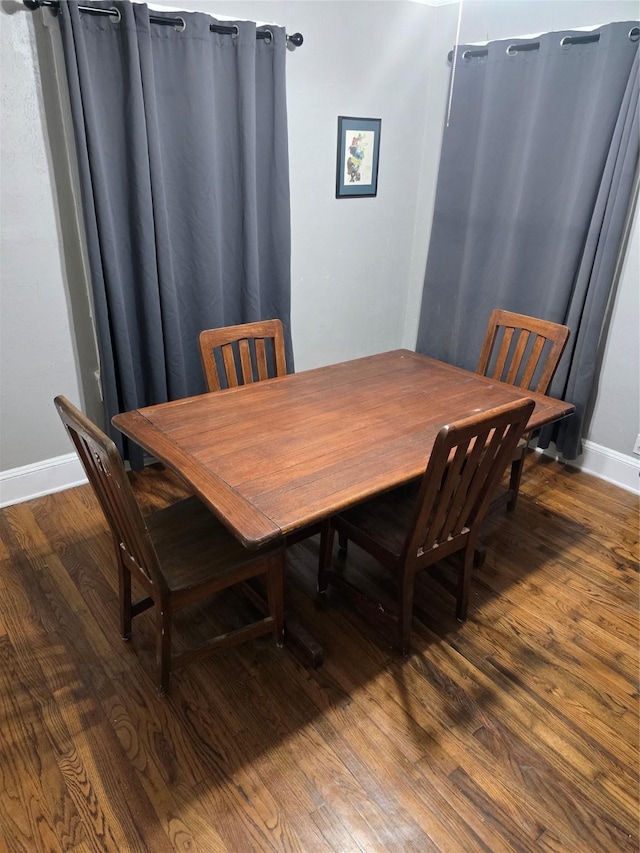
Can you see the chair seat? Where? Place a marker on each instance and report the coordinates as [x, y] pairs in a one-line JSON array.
[[194, 548], [386, 518]]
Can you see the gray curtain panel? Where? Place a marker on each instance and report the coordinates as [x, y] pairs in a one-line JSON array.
[[535, 179], [181, 137]]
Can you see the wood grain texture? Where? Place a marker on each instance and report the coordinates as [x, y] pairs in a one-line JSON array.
[[276, 456], [517, 731]]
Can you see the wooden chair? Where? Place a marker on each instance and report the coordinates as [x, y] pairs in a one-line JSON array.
[[179, 555], [249, 352], [411, 528], [525, 352], [246, 353]]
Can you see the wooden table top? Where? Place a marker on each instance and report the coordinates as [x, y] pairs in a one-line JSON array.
[[273, 457]]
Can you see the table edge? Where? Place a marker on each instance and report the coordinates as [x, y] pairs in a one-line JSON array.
[[229, 504]]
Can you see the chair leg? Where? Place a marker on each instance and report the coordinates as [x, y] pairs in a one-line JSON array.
[[275, 596], [405, 605], [342, 541], [514, 481], [326, 552], [124, 592], [163, 647], [464, 582]]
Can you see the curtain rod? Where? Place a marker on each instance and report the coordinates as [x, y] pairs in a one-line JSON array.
[[533, 45], [296, 39]]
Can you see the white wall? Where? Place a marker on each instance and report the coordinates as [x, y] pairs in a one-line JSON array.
[[615, 422], [37, 357], [357, 265]]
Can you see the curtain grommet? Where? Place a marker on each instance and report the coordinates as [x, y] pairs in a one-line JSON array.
[[512, 50], [114, 15], [270, 39], [181, 25], [236, 31], [565, 42], [634, 34], [466, 55]]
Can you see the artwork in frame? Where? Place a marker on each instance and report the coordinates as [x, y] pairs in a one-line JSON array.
[[358, 151]]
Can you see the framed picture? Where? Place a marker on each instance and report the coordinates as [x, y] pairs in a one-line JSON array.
[[357, 162]]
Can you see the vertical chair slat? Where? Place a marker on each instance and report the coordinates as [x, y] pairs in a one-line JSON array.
[[517, 358], [245, 361], [230, 366], [503, 353], [532, 362], [261, 359]]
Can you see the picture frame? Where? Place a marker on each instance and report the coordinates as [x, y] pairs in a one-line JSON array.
[[358, 155]]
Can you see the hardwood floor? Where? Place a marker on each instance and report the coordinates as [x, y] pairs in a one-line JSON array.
[[515, 731]]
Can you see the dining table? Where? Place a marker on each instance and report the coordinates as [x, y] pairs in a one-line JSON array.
[[274, 457]]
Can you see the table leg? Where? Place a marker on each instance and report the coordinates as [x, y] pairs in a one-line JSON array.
[[296, 637]]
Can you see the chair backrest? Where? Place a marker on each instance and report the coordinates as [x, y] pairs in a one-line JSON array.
[[241, 354], [105, 470], [521, 350], [468, 459]]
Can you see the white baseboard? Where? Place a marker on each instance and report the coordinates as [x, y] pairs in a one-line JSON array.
[[64, 472], [610, 465], [41, 478], [606, 464]]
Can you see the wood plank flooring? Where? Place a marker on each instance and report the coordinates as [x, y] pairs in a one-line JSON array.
[[517, 731]]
